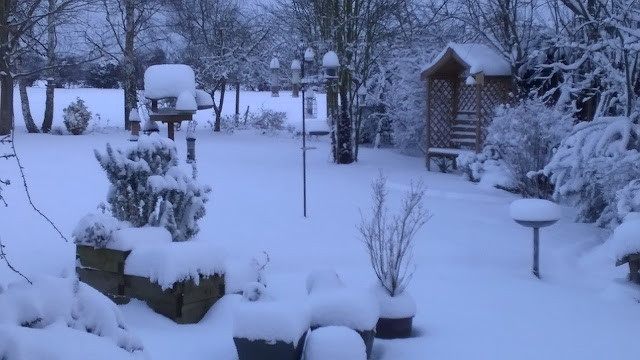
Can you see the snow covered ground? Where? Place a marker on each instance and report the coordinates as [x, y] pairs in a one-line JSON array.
[[475, 294]]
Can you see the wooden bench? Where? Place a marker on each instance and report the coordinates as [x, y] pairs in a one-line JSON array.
[[446, 152], [634, 266]]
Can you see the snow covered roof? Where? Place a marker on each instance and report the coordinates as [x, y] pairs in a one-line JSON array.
[[475, 58], [168, 81], [330, 59], [295, 65]]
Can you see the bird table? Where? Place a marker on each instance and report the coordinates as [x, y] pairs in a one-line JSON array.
[[169, 116]]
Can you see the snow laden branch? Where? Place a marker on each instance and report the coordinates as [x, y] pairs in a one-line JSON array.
[[389, 239]]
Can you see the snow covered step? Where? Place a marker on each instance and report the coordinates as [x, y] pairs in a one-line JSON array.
[[447, 151], [464, 134], [464, 127], [464, 141]]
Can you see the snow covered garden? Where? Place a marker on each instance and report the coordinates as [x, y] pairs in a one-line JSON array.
[[472, 289], [319, 179]]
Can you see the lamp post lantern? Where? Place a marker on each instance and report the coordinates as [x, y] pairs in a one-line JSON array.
[[275, 77], [295, 77]]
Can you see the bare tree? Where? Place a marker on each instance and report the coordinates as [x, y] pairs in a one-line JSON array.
[[127, 23], [22, 25], [220, 39], [389, 240]]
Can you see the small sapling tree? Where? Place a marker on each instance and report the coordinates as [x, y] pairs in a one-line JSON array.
[[389, 239]]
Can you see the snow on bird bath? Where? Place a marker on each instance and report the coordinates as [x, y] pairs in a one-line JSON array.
[[186, 102], [626, 239], [335, 343], [534, 210], [168, 81]]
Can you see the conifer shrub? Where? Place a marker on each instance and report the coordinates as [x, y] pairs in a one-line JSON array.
[[76, 117], [148, 188]]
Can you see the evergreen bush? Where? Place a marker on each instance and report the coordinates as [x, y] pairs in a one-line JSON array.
[[148, 188], [76, 117]]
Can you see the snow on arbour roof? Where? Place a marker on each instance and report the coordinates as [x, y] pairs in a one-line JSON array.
[[534, 210], [478, 58], [626, 239], [168, 81]]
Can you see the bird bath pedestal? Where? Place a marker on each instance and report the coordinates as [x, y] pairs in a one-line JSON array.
[[535, 214]]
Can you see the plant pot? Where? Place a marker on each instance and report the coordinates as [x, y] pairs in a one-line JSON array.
[[368, 336], [394, 328], [268, 350]]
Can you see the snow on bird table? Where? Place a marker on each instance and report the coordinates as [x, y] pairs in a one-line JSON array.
[[626, 239]]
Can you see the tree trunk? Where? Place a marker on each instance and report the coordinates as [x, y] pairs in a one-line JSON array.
[[237, 102], [6, 104], [344, 146], [47, 122], [26, 109], [129, 67], [217, 109]]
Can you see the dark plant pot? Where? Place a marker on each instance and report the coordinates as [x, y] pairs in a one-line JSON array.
[[367, 336], [266, 350], [394, 328]]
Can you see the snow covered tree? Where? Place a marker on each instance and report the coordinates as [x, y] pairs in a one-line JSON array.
[[148, 188], [220, 41], [593, 163]]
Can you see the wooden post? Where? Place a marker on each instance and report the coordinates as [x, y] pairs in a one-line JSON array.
[[170, 130], [478, 116]]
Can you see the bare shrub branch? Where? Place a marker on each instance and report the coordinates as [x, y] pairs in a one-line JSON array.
[[389, 240]]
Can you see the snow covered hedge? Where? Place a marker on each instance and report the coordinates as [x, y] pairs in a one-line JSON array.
[[148, 187], [596, 168], [520, 141], [58, 318]]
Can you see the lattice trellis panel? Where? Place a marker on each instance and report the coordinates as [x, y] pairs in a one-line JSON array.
[[440, 109], [494, 92], [467, 98]]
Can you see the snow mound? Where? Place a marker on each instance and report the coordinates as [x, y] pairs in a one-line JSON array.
[[626, 239], [535, 210], [270, 320], [186, 102], [395, 307], [175, 261], [130, 238], [353, 308], [169, 81], [325, 279], [54, 317], [334, 343], [203, 99]]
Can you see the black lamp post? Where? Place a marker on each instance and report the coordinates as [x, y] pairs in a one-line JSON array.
[[308, 57]]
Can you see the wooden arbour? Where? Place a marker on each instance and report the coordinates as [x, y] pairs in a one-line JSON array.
[[464, 83]]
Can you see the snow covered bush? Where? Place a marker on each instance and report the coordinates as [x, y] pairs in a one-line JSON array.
[[148, 188], [268, 120], [597, 159], [95, 230], [521, 139], [76, 117], [487, 169], [66, 310], [335, 343], [389, 240]]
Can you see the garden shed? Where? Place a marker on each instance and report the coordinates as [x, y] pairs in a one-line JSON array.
[[465, 83]]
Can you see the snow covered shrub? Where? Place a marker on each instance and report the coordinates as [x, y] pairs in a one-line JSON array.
[[76, 117], [148, 188], [524, 136], [593, 163], [66, 310], [627, 201], [389, 240], [487, 169], [268, 120], [95, 230]]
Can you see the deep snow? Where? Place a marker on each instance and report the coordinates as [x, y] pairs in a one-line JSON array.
[[472, 285]]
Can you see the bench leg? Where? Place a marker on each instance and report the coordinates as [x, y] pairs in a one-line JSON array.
[[428, 162]]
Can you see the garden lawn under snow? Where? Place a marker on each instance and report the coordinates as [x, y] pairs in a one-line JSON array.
[[476, 297]]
